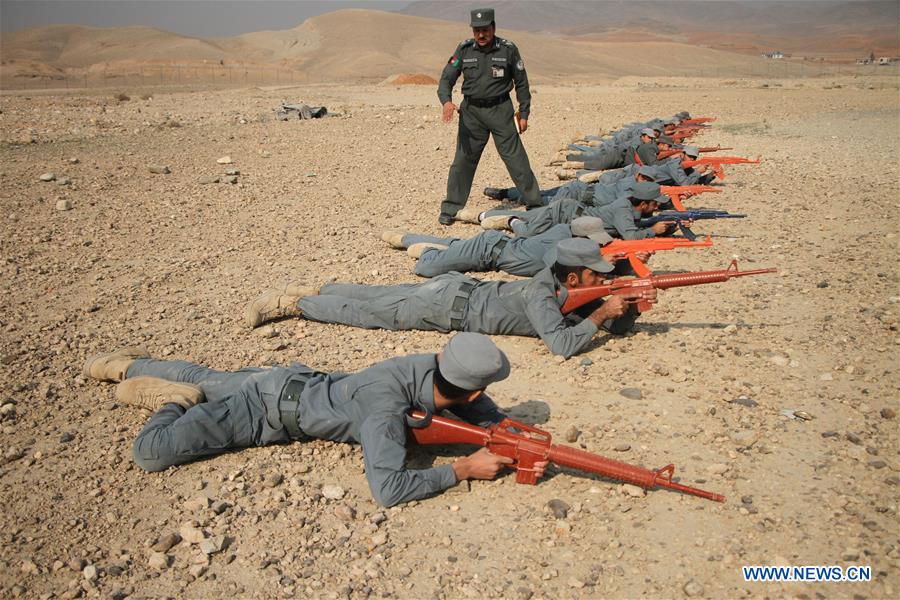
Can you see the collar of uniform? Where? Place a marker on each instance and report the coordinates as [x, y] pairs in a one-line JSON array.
[[545, 277], [425, 400]]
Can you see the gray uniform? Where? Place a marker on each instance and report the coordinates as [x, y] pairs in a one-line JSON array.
[[576, 189], [672, 173], [456, 302], [488, 76], [487, 251], [619, 218], [644, 153], [245, 408], [540, 220]]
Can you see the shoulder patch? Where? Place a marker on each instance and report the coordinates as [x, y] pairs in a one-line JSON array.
[[506, 43], [468, 42]]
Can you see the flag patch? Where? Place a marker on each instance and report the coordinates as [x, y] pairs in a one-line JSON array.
[[454, 62]]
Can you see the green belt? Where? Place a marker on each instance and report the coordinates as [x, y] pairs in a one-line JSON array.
[[498, 248]]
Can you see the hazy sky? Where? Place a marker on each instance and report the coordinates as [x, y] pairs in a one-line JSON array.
[[202, 18]]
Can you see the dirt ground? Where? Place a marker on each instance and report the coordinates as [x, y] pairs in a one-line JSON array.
[[110, 254]]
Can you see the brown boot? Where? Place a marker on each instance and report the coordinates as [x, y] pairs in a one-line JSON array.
[[394, 237], [299, 289], [416, 250], [152, 393], [272, 305], [496, 222], [114, 365], [469, 215]]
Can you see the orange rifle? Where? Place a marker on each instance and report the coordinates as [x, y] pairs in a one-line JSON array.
[[697, 120], [663, 154], [527, 445], [716, 163], [578, 297], [622, 249], [677, 193]]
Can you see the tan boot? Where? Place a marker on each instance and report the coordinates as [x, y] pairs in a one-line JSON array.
[[272, 305], [394, 237], [468, 215], [299, 289], [496, 222], [416, 250], [152, 393], [114, 365]]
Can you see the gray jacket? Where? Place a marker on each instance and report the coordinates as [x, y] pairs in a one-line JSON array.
[[532, 308], [370, 407]]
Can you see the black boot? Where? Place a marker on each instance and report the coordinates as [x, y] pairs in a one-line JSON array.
[[495, 193]]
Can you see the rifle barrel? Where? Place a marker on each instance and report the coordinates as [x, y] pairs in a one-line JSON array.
[[620, 471]]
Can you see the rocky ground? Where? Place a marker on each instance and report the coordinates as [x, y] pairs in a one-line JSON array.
[[126, 244]]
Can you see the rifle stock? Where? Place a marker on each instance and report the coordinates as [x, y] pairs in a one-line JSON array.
[[630, 248], [529, 445], [677, 193]]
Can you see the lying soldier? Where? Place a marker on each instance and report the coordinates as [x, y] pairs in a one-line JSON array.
[[199, 412], [456, 302]]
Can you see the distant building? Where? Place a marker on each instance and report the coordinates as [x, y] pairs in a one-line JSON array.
[[863, 61], [774, 55], [884, 60]]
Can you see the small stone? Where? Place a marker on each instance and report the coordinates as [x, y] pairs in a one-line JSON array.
[[745, 401], [220, 506], [233, 172], [731, 328], [877, 464], [826, 377], [197, 571], [74, 161], [829, 434], [158, 561], [692, 589], [332, 492], [558, 508], [850, 554], [622, 447], [310, 174], [744, 438], [853, 438], [572, 434], [717, 469], [208, 180], [576, 583], [77, 564], [586, 362], [66, 437], [747, 499], [48, 177], [232, 179], [166, 542], [90, 573], [212, 545], [191, 534], [274, 480], [63, 204], [159, 169], [634, 491], [888, 413], [379, 539], [377, 518], [345, 512], [631, 393], [822, 284], [225, 160], [198, 503]]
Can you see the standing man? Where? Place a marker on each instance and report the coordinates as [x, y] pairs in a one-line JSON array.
[[490, 66]]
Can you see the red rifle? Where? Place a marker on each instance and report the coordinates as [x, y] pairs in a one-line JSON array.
[[578, 297], [663, 154], [619, 249], [529, 445], [697, 120], [677, 193], [716, 163]]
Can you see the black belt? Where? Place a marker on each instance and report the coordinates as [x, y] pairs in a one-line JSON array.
[[498, 248], [459, 304], [487, 102], [289, 406]]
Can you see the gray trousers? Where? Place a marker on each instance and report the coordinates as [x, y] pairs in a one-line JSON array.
[[241, 410], [475, 126], [473, 254], [424, 306]]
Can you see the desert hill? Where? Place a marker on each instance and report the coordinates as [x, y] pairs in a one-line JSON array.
[[354, 45], [814, 27]]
